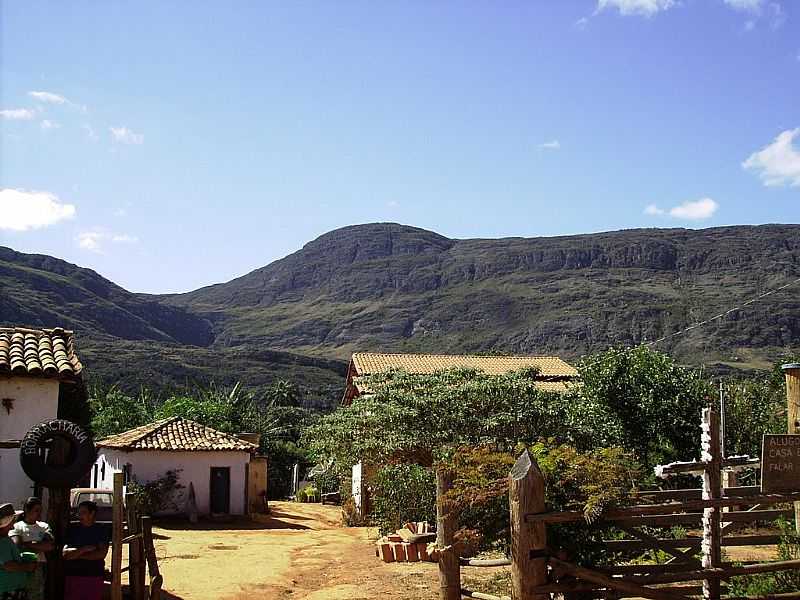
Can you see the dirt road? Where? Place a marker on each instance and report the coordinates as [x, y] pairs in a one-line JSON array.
[[301, 552]]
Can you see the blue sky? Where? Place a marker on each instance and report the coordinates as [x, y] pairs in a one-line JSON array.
[[170, 145]]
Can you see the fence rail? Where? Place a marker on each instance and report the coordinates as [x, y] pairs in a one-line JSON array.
[[537, 571]]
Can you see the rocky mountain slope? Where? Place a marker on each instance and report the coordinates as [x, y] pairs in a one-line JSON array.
[[391, 287], [134, 341]]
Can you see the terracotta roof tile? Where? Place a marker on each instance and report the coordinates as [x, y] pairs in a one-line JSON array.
[[175, 433], [38, 352], [549, 366], [362, 387]]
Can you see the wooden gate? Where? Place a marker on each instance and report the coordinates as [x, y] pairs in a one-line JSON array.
[[537, 570]]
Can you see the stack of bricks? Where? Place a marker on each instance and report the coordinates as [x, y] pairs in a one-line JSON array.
[[405, 545]]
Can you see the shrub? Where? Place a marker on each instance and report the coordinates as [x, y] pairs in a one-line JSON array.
[[308, 493], [157, 495], [403, 493], [350, 516], [590, 481], [765, 584]]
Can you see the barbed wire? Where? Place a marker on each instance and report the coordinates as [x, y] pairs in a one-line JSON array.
[[723, 314]]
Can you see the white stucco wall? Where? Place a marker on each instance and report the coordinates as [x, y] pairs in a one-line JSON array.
[[34, 401], [147, 465]]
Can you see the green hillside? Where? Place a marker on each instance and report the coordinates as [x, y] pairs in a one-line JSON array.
[[389, 287], [395, 288]]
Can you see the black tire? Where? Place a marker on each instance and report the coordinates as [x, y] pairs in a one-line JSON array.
[[79, 449]]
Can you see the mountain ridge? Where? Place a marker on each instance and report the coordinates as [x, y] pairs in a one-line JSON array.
[[392, 287]]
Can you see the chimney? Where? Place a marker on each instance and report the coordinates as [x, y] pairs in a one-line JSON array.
[[253, 438]]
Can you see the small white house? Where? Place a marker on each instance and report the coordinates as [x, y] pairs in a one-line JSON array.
[[218, 465], [37, 367]]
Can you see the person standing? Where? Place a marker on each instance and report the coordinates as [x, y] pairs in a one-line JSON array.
[[13, 570], [84, 555], [32, 535]]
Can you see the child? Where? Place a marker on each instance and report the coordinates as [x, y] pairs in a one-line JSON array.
[[13, 571], [34, 535]]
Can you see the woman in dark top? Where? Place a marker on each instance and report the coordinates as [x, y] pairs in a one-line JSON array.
[[84, 555]]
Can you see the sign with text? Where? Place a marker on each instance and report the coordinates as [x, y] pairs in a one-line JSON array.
[[780, 463]]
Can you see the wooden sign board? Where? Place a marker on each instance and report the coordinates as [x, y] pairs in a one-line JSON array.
[[780, 463]]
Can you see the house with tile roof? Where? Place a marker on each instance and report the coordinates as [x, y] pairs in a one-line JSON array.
[[40, 379], [554, 374], [223, 470]]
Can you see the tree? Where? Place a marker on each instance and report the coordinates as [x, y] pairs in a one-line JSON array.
[[417, 418], [656, 403], [282, 393], [114, 411], [754, 406]]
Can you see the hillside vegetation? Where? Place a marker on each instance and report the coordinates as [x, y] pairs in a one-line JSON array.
[[389, 287]]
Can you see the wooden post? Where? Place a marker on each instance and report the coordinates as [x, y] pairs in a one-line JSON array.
[[729, 479], [712, 490], [136, 565], [116, 539], [528, 539], [58, 517], [792, 373], [156, 580], [446, 523]]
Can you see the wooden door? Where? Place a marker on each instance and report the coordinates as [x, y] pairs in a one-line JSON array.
[[220, 490]]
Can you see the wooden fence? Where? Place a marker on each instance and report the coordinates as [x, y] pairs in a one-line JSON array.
[[537, 570], [138, 536]]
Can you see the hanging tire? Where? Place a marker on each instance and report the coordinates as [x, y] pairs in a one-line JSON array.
[[43, 441]]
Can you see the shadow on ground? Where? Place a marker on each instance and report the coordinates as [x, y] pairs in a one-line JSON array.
[[165, 595], [274, 520]]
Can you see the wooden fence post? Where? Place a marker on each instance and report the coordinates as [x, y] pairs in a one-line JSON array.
[[792, 374], [712, 490], [58, 512], [116, 539], [526, 494], [136, 564], [156, 580], [446, 523]]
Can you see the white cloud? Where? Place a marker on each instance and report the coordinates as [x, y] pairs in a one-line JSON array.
[[745, 5], [52, 98], [89, 240], [581, 23], [777, 163], [17, 114], [551, 145], [694, 210], [48, 124], [775, 15], [90, 132], [691, 210], [95, 240], [652, 209], [771, 11], [23, 210], [124, 238], [393, 204], [642, 8], [123, 135], [49, 97]]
